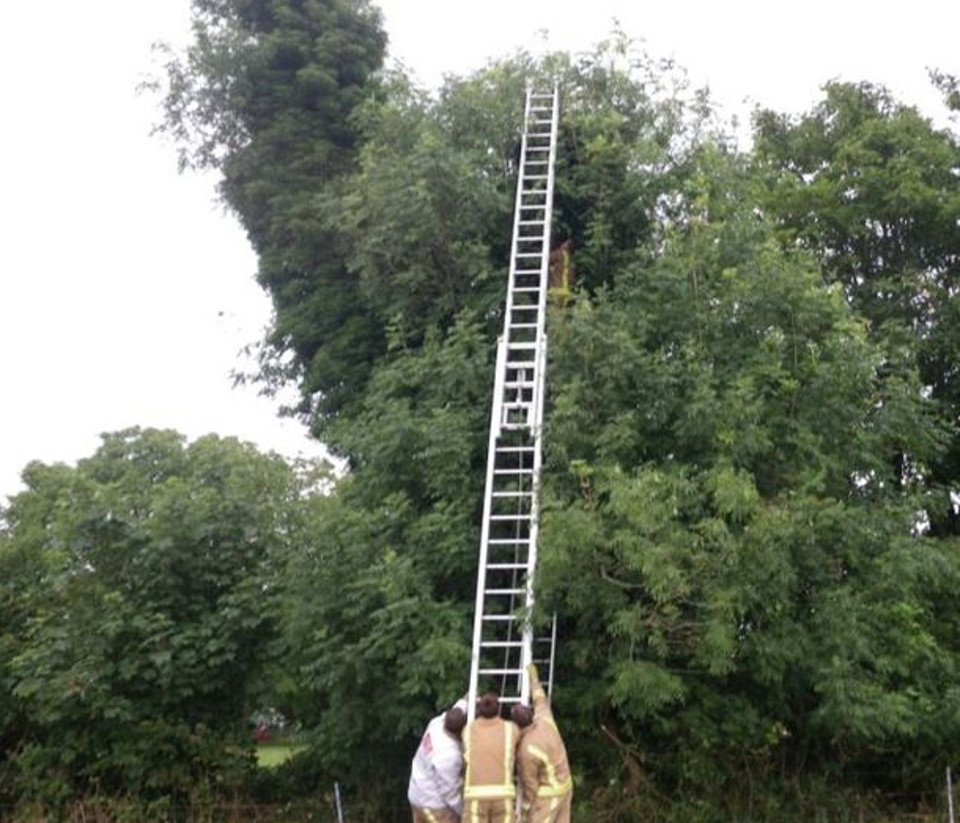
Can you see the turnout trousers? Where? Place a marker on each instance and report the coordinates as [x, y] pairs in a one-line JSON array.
[[551, 809], [489, 810], [445, 815]]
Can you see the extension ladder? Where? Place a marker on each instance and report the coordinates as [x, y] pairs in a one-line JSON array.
[[503, 639]]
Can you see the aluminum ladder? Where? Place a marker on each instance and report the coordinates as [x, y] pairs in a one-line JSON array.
[[503, 639]]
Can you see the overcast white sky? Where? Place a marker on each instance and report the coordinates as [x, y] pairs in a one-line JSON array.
[[126, 292]]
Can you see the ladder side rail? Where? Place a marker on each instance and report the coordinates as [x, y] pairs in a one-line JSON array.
[[553, 654], [548, 216], [541, 315], [518, 202], [539, 392], [495, 414], [528, 639]]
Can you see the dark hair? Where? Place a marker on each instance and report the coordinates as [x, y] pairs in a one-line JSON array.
[[488, 705], [521, 715], [454, 721]]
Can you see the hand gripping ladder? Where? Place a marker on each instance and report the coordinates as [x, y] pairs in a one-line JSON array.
[[503, 642]]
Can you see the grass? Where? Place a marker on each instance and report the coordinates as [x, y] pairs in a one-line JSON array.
[[271, 755]]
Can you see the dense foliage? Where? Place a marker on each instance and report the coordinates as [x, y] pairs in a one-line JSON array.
[[135, 603], [752, 469]]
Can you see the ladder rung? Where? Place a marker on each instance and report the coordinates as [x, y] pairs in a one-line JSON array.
[[535, 177], [512, 472], [501, 644], [531, 222], [523, 346], [525, 289], [506, 566], [505, 591], [502, 518], [508, 541], [513, 494], [499, 618], [499, 671], [522, 326]]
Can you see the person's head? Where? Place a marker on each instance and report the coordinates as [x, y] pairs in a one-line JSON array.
[[521, 715], [454, 721], [488, 705]]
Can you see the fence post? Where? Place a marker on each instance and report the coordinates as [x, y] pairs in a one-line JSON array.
[[950, 795]]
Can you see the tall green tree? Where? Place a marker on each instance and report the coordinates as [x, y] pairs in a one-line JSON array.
[[137, 613], [870, 187], [266, 94], [735, 557], [738, 461]]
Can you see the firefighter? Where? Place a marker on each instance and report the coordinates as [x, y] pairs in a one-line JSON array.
[[436, 776], [546, 785], [561, 274], [489, 751]]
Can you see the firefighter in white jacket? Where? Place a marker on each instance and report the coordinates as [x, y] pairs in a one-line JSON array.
[[436, 777]]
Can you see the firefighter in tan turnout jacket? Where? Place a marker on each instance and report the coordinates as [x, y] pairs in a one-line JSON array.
[[547, 788], [489, 751]]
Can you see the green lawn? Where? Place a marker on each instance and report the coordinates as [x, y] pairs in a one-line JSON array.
[[270, 755]]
